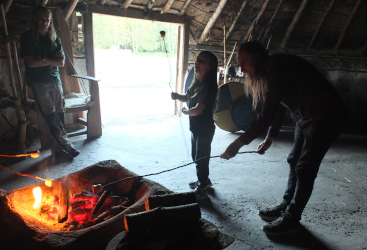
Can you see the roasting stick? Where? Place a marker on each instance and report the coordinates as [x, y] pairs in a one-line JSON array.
[[32, 154], [99, 188], [48, 182]]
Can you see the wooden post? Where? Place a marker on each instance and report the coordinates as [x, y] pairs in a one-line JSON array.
[[70, 8], [212, 20], [167, 6], [94, 114], [321, 22], [7, 5], [8, 53], [235, 20], [346, 25], [73, 24], [178, 68], [20, 81], [271, 20], [184, 8], [224, 46], [256, 20], [293, 24]]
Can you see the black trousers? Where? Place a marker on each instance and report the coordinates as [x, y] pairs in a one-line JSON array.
[[201, 147], [311, 143]]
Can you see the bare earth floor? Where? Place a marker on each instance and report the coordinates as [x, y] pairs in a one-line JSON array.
[[146, 138]]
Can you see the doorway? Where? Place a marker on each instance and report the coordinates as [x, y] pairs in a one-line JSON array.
[[137, 66]]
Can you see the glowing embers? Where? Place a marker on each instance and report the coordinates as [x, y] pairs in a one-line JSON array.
[[85, 209]]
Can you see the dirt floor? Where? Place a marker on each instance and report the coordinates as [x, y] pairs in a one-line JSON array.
[[146, 138]]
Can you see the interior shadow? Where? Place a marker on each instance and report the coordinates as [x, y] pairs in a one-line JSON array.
[[303, 239]]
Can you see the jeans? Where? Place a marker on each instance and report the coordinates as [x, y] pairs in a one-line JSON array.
[[311, 142], [201, 147]]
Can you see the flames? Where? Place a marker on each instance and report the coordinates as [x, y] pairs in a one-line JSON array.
[[37, 192]]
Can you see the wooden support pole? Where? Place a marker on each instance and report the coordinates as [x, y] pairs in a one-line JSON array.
[[212, 20], [184, 8], [224, 46], [321, 22], [271, 20], [293, 24], [70, 8], [8, 53], [256, 20], [235, 21], [167, 6], [7, 5], [94, 114], [126, 4], [20, 81], [346, 25], [230, 58]]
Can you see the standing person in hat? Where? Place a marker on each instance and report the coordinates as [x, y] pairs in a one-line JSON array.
[[284, 82], [43, 54]]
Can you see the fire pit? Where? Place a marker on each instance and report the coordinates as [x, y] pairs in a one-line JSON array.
[[43, 227]]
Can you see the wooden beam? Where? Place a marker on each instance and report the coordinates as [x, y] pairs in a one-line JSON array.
[[134, 13], [167, 6], [271, 20], [126, 4], [70, 8], [224, 46], [212, 20], [7, 5], [293, 24], [321, 22], [44, 2], [184, 8], [235, 20], [346, 25], [256, 20]]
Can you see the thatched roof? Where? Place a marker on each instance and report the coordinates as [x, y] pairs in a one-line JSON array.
[[299, 26]]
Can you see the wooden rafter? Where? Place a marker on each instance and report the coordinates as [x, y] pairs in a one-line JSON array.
[[321, 22], [7, 5], [271, 20], [167, 6], [70, 8], [184, 8], [235, 21], [256, 19], [346, 25], [293, 24], [126, 4], [212, 20]]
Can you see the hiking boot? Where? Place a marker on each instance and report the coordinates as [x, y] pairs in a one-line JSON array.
[[195, 184], [285, 224], [200, 193], [272, 213], [73, 152]]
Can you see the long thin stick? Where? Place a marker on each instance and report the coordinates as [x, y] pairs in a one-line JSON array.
[[140, 176], [27, 175]]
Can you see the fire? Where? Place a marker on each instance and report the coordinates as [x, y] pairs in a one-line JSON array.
[[37, 192]]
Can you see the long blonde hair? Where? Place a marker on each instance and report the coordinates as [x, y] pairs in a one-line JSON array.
[[51, 33], [256, 87]]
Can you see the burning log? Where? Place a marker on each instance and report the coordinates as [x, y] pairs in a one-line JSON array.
[[169, 200], [62, 214], [101, 201], [162, 218]]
